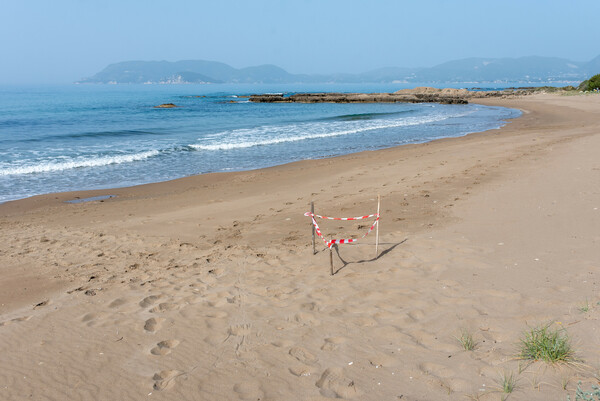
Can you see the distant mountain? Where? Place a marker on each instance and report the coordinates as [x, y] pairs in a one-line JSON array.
[[530, 69], [593, 67], [470, 70]]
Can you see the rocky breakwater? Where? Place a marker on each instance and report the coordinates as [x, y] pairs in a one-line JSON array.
[[417, 95], [360, 98]]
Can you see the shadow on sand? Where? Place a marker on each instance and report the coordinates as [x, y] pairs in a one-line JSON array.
[[379, 256]]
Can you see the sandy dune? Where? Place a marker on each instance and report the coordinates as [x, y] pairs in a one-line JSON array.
[[205, 288]]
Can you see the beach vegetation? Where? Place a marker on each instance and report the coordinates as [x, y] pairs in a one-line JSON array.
[[553, 89], [466, 340], [582, 395], [546, 344], [594, 82], [590, 84], [523, 366], [584, 307], [508, 382]]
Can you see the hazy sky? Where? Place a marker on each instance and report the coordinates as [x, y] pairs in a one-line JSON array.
[[63, 41]]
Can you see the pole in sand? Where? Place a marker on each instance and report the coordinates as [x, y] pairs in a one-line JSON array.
[[312, 211], [377, 232], [331, 258]]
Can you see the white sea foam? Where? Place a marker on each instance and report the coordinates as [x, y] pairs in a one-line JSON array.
[[54, 166], [246, 138]]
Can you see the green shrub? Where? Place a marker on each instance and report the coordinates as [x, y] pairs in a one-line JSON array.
[[594, 82], [583, 86], [590, 84]]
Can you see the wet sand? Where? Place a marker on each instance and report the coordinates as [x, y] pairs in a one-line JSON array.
[[206, 287]]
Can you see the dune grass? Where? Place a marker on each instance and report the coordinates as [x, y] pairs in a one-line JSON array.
[[508, 382], [466, 340], [585, 307], [546, 344]]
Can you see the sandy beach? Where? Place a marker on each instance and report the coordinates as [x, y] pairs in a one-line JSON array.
[[206, 288]]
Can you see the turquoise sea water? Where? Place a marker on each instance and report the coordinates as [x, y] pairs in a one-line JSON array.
[[72, 137]]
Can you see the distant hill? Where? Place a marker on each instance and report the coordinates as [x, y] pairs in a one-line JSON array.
[[531, 69], [470, 70]]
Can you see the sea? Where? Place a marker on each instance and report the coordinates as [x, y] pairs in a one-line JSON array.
[[56, 138]]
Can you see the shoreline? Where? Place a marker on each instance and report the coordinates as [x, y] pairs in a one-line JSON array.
[[211, 287], [78, 195], [151, 170]]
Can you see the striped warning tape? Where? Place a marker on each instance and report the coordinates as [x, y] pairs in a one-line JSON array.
[[340, 218], [330, 243]]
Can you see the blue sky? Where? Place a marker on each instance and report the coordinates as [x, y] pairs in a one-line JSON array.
[[65, 40]]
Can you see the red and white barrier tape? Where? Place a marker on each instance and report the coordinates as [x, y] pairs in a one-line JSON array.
[[330, 243]]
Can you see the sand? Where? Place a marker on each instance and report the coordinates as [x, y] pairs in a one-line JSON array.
[[205, 288]]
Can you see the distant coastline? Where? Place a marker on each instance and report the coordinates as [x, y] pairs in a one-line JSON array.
[[471, 71]]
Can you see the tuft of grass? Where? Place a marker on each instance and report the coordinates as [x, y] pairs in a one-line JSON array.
[[547, 344], [585, 307], [466, 340], [508, 382]]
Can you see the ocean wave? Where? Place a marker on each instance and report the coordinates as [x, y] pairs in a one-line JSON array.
[[87, 135], [365, 116], [242, 138], [54, 166]]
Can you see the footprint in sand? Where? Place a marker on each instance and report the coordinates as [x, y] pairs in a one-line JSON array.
[[117, 302], [165, 379], [217, 300], [416, 314], [282, 343], [334, 383], [164, 307], [249, 390], [383, 360], [307, 319], [303, 355], [310, 306], [240, 330], [302, 371], [153, 324], [333, 343], [164, 347], [216, 314], [432, 342], [214, 340], [92, 319], [149, 300], [441, 371], [15, 320]]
